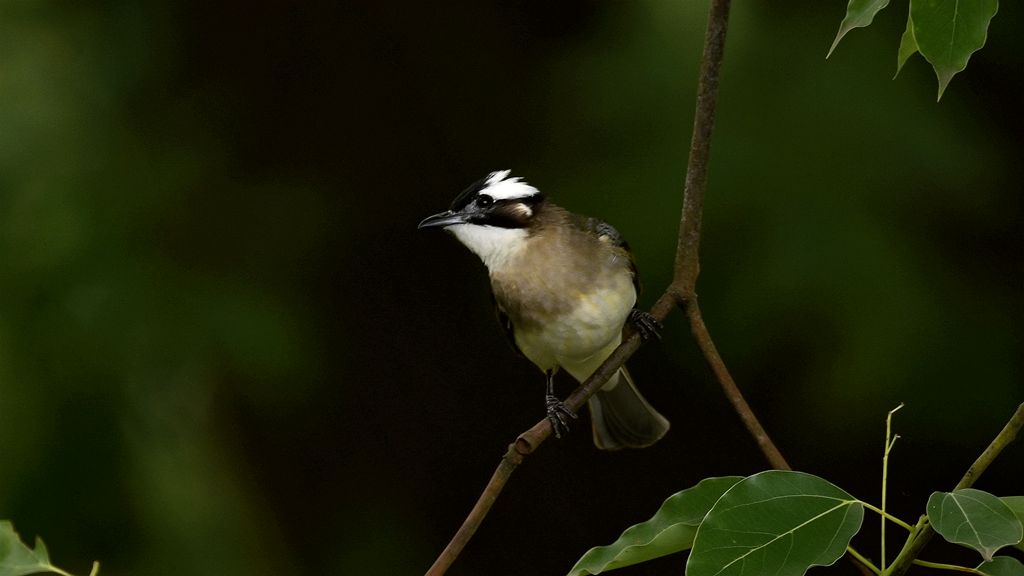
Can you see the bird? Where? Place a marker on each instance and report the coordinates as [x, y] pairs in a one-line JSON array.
[[564, 286]]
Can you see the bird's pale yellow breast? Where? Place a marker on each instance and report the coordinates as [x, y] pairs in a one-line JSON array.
[[567, 293]]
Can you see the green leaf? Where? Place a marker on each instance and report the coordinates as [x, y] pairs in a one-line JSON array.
[[1016, 503], [17, 559], [974, 519], [908, 45], [859, 13], [947, 32], [670, 530], [775, 522], [1002, 566]]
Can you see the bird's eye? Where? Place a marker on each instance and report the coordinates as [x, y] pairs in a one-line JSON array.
[[484, 200]]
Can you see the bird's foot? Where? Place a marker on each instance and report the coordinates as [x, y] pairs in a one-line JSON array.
[[558, 414], [646, 324]]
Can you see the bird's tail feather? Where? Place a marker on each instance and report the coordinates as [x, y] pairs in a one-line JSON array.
[[622, 418]]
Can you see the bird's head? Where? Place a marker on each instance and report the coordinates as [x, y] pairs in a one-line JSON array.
[[491, 217]]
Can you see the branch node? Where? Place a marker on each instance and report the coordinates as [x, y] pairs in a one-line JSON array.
[[522, 447], [680, 296], [515, 455], [528, 441]]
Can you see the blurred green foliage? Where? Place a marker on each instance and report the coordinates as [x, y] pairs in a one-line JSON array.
[[221, 337]]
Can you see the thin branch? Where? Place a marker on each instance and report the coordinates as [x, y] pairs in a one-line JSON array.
[[529, 441], [952, 567], [923, 531], [885, 515], [687, 264], [871, 568], [478, 513], [889, 442], [732, 392], [1005, 436]]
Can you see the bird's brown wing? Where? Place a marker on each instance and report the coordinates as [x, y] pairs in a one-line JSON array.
[[506, 325], [605, 232]]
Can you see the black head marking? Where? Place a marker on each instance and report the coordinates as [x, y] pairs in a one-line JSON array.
[[467, 195], [509, 214], [483, 208]]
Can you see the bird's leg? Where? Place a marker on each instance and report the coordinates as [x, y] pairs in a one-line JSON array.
[[646, 325], [558, 413]]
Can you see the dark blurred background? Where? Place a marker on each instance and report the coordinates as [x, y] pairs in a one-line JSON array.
[[226, 349]]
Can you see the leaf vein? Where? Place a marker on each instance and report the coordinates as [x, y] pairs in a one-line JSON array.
[[787, 532]]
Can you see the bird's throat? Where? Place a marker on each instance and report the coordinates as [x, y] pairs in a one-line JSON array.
[[497, 247]]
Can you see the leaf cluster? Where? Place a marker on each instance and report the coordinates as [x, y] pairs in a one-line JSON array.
[[784, 522], [945, 33]]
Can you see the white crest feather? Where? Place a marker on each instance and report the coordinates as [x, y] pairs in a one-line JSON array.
[[500, 187]]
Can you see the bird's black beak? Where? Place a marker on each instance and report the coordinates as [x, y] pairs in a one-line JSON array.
[[443, 219]]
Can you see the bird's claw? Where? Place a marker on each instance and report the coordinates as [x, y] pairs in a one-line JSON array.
[[558, 415], [646, 324]]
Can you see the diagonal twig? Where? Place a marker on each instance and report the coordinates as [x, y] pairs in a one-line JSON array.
[[923, 531]]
